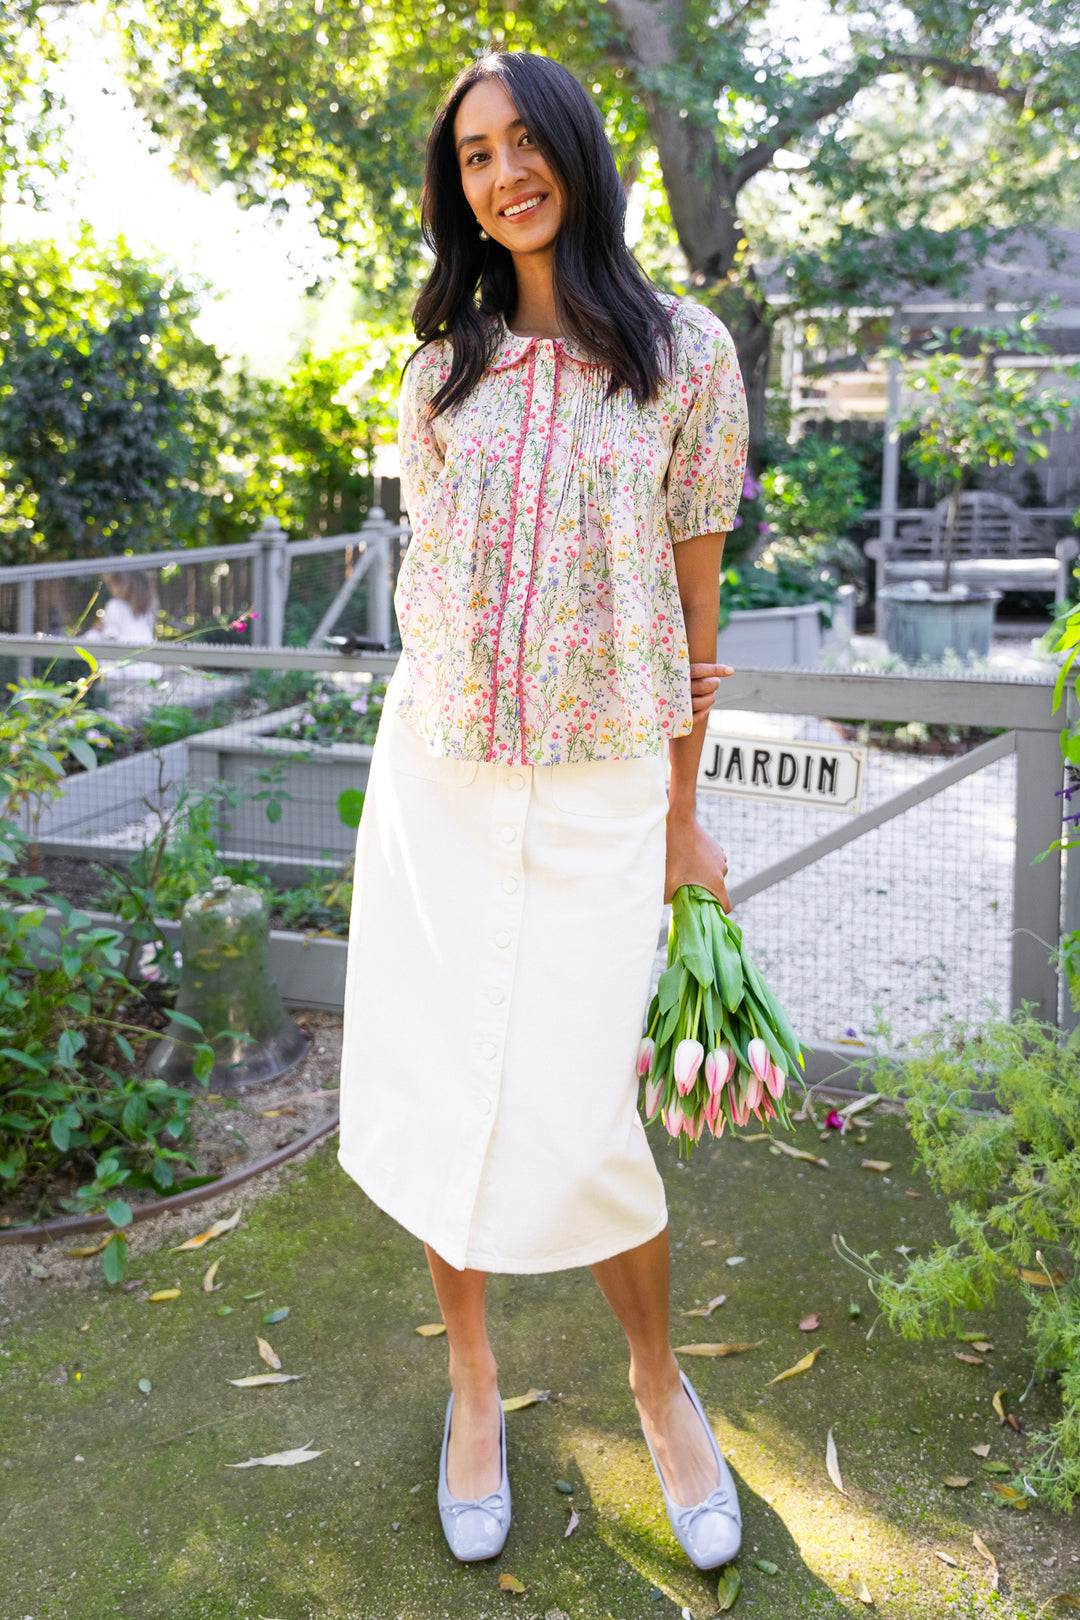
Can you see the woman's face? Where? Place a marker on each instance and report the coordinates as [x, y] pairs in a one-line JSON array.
[[507, 184]]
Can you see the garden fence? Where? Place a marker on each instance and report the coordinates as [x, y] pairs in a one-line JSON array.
[[915, 907]]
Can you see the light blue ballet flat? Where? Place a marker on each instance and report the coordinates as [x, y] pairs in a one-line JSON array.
[[710, 1534], [474, 1530]]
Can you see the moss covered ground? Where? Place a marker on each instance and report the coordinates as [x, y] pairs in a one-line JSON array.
[[118, 1502]]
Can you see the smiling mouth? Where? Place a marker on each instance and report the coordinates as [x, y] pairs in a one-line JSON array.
[[516, 210]]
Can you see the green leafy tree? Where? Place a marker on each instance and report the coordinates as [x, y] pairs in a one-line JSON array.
[[974, 411], [740, 128], [31, 120]]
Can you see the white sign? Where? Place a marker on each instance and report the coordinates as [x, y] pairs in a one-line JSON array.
[[829, 775]]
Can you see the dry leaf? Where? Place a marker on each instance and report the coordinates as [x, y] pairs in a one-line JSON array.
[[859, 1587], [808, 1324], [980, 1547], [1039, 1279], [517, 1402], [257, 1379], [832, 1463], [797, 1153], [280, 1459], [910, 1194], [510, 1583], [881, 1165], [431, 1330], [217, 1230], [716, 1349], [1067, 1598], [90, 1248], [997, 1468], [728, 1588], [709, 1243], [860, 1103], [956, 1482], [972, 1361], [983, 1346], [982, 1451], [208, 1280], [268, 1355], [1015, 1499], [572, 1526], [947, 1558], [162, 1294], [707, 1310], [800, 1366], [996, 1403], [1013, 1421]]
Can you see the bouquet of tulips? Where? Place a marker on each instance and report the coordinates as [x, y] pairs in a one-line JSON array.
[[718, 1048]]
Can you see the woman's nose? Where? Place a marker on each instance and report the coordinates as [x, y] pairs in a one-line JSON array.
[[511, 168]]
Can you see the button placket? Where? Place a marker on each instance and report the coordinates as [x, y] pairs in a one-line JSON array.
[[509, 811]]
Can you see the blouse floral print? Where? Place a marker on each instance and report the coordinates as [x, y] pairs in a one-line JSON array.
[[538, 604]]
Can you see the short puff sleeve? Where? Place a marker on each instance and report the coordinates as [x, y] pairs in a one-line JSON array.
[[708, 456], [420, 446]]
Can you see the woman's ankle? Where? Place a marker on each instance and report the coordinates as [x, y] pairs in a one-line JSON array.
[[473, 1377], [656, 1384]]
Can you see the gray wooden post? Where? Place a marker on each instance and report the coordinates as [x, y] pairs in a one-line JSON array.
[[890, 461], [271, 583], [1034, 976], [376, 532], [24, 624]]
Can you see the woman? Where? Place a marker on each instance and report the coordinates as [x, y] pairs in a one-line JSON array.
[[572, 455]]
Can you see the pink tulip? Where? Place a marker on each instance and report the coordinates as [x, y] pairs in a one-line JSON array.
[[775, 1081], [757, 1055], [673, 1120], [652, 1099], [714, 1112], [740, 1111], [767, 1109], [689, 1056], [755, 1090], [719, 1068], [645, 1056]]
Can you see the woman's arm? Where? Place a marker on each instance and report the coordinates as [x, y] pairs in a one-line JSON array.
[[692, 856]]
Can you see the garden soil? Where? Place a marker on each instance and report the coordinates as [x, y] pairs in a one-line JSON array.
[[119, 1420]]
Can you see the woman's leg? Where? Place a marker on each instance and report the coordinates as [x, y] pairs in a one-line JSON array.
[[473, 1460], [635, 1285]]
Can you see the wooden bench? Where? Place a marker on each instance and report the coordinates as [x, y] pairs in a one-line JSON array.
[[996, 545]]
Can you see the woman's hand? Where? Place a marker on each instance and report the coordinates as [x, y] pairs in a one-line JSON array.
[[694, 857], [705, 684]]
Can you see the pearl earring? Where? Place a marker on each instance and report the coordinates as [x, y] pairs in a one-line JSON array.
[[484, 236]]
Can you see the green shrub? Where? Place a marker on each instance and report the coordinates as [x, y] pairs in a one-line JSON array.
[[783, 584], [1010, 1169], [812, 496], [338, 714]]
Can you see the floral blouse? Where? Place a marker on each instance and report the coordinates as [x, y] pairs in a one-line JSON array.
[[538, 604]]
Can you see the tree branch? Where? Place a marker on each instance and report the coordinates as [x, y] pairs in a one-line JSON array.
[[827, 100], [968, 76]]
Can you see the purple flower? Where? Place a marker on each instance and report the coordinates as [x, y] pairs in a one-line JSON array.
[[751, 487], [359, 705], [763, 528], [852, 1034], [736, 522]]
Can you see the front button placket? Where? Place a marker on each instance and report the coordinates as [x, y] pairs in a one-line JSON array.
[[504, 906]]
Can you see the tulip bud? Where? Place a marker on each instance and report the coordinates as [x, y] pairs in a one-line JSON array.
[[652, 1099], [673, 1119], [757, 1055], [719, 1067], [754, 1092], [689, 1056], [775, 1081], [645, 1057]]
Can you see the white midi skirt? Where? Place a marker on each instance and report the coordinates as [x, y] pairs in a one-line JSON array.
[[504, 925]]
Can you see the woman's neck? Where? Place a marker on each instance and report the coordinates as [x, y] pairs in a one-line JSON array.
[[534, 313]]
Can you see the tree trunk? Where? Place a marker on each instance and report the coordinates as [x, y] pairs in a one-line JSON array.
[[702, 194]]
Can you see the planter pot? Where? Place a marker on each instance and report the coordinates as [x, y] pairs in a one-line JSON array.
[[928, 626], [785, 637]]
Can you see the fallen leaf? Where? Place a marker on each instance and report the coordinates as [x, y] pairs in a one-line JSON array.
[[972, 1361], [716, 1349], [90, 1248], [517, 1402], [956, 1482], [947, 1558], [510, 1583], [910, 1194], [217, 1230], [735, 1260], [272, 1318], [832, 1463], [808, 1324], [275, 1113], [263, 1378], [980, 1547], [707, 1310], [431, 1330], [1039, 1279], [280, 1459], [996, 1403], [983, 1346], [1013, 1421], [268, 1355], [572, 1526], [1067, 1598], [728, 1588], [162, 1294], [882, 1166], [145, 1385], [766, 1566], [130, 1287], [860, 1103], [797, 1153], [982, 1451], [996, 1468], [37, 1270], [224, 1310], [800, 1366], [859, 1587], [709, 1243], [208, 1280], [968, 1338], [564, 1487], [1015, 1499], [257, 1295]]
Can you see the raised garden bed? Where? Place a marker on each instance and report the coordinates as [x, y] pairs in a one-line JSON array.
[[793, 636]]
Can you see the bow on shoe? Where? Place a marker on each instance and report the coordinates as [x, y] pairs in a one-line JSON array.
[[716, 1502], [492, 1504]]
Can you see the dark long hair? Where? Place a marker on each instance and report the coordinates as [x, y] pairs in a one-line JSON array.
[[602, 296]]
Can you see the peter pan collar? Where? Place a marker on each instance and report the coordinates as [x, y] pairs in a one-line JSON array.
[[510, 349]]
